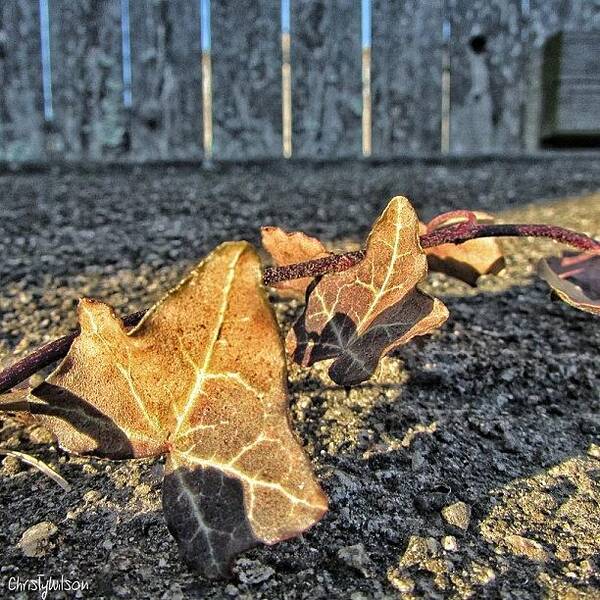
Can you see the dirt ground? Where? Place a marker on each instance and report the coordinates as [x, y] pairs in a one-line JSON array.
[[468, 467]]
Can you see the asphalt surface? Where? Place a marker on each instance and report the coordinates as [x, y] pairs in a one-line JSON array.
[[498, 410]]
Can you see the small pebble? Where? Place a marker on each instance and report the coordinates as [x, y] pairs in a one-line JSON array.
[[403, 584], [253, 571], [35, 541], [594, 450], [457, 514], [449, 543], [356, 557], [92, 496], [526, 547], [11, 465]]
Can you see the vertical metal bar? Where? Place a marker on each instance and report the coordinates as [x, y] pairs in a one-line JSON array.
[[366, 77], [46, 64], [286, 80], [126, 54], [206, 78], [445, 127]]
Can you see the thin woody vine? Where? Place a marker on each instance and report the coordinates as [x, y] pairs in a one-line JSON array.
[[201, 377]]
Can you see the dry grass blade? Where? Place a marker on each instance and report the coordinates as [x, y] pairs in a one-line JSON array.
[[40, 466]]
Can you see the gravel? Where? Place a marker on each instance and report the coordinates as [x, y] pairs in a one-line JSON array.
[[497, 411]]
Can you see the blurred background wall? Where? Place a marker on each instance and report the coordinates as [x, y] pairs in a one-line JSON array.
[[139, 80]]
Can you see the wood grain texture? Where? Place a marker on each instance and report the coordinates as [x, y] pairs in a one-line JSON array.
[[496, 92], [326, 78], [486, 95], [406, 77], [548, 18], [85, 46], [21, 102], [246, 79], [167, 104], [571, 87]]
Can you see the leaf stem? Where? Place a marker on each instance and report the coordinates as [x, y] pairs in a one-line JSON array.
[[462, 232], [454, 234]]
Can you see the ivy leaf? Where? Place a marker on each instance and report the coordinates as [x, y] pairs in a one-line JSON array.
[[575, 278], [288, 248], [202, 379], [471, 259], [360, 314]]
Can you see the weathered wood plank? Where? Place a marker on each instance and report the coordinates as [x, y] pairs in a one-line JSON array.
[[546, 18], [246, 70], [495, 83], [21, 102], [85, 44], [486, 64], [571, 88], [406, 77], [326, 78], [166, 79]]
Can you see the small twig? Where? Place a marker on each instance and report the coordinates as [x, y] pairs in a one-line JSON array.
[[453, 234], [40, 466], [463, 232], [334, 263]]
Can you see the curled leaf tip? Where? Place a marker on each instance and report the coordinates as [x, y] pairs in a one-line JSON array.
[[575, 278], [361, 314]]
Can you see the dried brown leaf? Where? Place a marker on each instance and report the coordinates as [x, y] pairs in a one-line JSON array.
[[575, 277], [202, 378], [467, 261], [288, 248], [360, 314]]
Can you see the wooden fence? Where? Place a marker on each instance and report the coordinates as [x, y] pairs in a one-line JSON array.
[[244, 79]]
